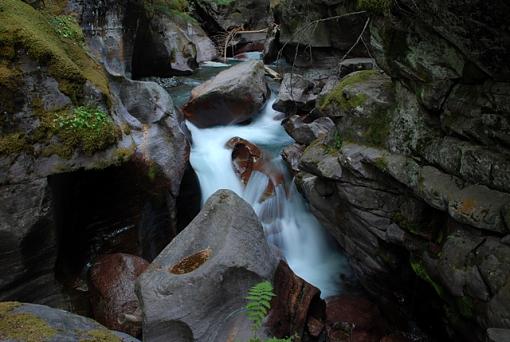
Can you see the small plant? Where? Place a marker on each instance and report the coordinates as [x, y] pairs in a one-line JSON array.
[[84, 117], [335, 144], [67, 27], [259, 302]]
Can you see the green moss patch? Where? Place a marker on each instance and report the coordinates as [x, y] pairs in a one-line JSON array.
[[24, 28], [12, 143], [422, 273], [337, 96], [67, 27], [375, 6], [23, 326], [10, 82], [98, 335]]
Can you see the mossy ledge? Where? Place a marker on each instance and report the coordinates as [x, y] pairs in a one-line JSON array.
[[23, 326], [336, 96], [26, 29]]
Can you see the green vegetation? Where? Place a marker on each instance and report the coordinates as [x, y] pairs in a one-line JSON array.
[[375, 6], [337, 96], [67, 27], [422, 273], [12, 143], [259, 302], [24, 28], [176, 9], [335, 144], [99, 335], [87, 127], [22, 326]]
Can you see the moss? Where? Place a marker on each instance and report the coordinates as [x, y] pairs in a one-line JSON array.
[[377, 128], [23, 326], [10, 83], [465, 306], [24, 28], [67, 26], [176, 9], [55, 7], [381, 163], [336, 96], [422, 273], [123, 154], [375, 6], [98, 335], [12, 143]]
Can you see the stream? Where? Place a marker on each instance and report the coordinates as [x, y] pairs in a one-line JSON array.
[[288, 223]]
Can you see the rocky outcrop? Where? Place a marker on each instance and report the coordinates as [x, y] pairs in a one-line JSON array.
[[218, 16], [304, 132], [410, 181], [217, 258], [68, 106], [296, 95], [112, 279], [233, 96], [30, 322]]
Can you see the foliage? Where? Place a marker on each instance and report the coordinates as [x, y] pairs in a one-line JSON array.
[[84, 117], [25, 29], [67, 27], [335, 144], [259, 303]]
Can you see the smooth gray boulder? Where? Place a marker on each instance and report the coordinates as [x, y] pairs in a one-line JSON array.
[[305, 132], [195, 289], [30, 322], [296, 95], [233, 96]]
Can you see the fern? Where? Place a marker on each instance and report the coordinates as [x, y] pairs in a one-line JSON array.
[[259, 302]]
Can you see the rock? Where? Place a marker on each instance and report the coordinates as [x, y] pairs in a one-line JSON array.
[[112, 279], [354, 316], [28, 239], [31, 322], [217, 258], [498, 335], [361, 105], [290, 306], [350, 65], [296, 95], [291, 155], [171, 45], [247, 158], [224, 16], [233, 96], [305, 132]]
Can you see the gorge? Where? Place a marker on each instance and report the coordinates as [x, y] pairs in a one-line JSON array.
[[159, 159]]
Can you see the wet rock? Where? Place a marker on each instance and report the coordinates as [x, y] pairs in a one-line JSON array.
[[247, 158], [292, 155], [498, 335], [351, 65], [112, 279], [217, 258], [31, 322], [305, 132], [28, 239], [233, 96], [289, 309], [353, 316], [296, 95]]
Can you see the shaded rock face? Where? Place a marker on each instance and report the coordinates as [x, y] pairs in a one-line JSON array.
[[218, 257], [218, 16], [171, 46], [411, 183], [296, 95], [112, 279], [31, 322], [231, 97], [138, 123]]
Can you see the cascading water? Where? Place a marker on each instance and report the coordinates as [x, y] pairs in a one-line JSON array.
[[286, 220]]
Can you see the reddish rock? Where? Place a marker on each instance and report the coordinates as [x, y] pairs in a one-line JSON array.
[[356, 316], [233, 96], [112, 283], [290, 306], [315, 326], [247, 157]]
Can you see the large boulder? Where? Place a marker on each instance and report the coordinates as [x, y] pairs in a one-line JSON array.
[[216, 259], [30, 322], [112, 279], [296, 95], [231, 97], [304, 130]]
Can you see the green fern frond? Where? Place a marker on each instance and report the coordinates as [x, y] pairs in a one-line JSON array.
[[259, 302]]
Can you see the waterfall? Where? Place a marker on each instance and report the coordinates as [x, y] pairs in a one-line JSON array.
[[287, 222]]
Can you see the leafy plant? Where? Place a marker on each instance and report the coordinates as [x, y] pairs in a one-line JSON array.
[[259, 302], [84, 117], [66, 26]]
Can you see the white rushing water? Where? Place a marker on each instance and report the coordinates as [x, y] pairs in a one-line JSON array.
[[287, 222]]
